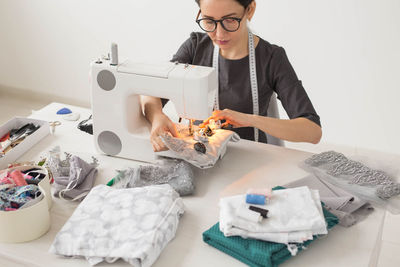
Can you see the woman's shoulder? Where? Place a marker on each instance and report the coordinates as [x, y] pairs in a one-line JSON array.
[[199, 39], [201, 36], [268, 50], [192, 51]]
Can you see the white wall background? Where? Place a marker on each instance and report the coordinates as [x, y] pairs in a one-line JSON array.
[[346, 52]]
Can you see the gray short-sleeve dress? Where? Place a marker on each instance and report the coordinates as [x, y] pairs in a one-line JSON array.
[[274, 74]]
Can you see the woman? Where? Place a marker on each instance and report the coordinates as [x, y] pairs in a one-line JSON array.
[[250, 70]]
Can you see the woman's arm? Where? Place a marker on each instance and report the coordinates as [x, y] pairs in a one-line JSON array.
[[294, 130], [152, 106], [160, 123]]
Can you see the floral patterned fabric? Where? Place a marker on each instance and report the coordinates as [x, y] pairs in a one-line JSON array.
[[134, 224]]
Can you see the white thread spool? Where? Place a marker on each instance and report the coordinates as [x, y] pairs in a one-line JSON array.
[[249, 215], [114, 54]]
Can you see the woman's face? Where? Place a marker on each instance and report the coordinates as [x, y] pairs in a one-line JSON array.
[[218, 9]]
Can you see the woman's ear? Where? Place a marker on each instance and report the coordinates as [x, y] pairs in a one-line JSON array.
[[251, 9]]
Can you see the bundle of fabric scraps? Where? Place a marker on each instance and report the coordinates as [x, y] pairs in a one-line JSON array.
[[294, 215], [201, 148], [133, 224], [19, 190], [294, 218], [73, 177], [174, 172]]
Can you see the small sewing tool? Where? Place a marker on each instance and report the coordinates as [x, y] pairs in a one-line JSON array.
[[53, 125], [64, 111]]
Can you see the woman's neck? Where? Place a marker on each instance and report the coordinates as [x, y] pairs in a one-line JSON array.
[[241, 50]]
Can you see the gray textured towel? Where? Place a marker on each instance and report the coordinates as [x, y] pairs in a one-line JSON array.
[[348, 208], [176, 173]]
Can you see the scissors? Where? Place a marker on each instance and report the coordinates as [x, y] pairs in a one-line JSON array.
[[53, 125]]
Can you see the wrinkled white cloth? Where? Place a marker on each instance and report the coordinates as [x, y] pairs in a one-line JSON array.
[[295, 215], [183, 147], [134, 224]]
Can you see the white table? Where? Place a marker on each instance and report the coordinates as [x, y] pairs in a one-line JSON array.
[[246, 164]]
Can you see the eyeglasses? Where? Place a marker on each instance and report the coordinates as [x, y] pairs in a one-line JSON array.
[[230, 24]]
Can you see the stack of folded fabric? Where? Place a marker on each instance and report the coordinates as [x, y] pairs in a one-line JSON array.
[[295, 218]]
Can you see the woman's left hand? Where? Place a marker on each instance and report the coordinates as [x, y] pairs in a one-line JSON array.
[[236, 119]]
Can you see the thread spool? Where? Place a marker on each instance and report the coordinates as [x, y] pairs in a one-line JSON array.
[[262, 212], [18, 178], [249, 215], [267, 192], [114, 54], [255, 199]]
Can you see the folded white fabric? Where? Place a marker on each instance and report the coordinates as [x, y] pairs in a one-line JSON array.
[[295, 215], [134, 224]]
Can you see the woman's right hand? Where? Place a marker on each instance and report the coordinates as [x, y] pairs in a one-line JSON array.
[[161, 125]]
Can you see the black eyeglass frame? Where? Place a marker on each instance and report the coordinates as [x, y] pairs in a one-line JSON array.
[[221, 21]]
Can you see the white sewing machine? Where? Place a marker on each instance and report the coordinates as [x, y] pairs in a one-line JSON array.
[[119, 126]]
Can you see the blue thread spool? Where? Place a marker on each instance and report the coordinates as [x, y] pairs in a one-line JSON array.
[[255, 199]]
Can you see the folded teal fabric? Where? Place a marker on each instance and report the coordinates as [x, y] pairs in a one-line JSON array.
[[255, 252]]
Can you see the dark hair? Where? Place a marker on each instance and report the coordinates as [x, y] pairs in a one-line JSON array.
[[244, 3]]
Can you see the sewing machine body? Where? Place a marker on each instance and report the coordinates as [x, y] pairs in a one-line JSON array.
[[119, 126]]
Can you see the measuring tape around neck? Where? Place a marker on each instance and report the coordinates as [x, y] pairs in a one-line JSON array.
[[253, 78]]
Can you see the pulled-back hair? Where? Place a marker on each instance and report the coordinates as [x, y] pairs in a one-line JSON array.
[[244, 3]]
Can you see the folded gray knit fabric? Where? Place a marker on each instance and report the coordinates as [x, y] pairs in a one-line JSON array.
[[375, 186], [348, 208], [176, 173], [337, 165], [73, 177]]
